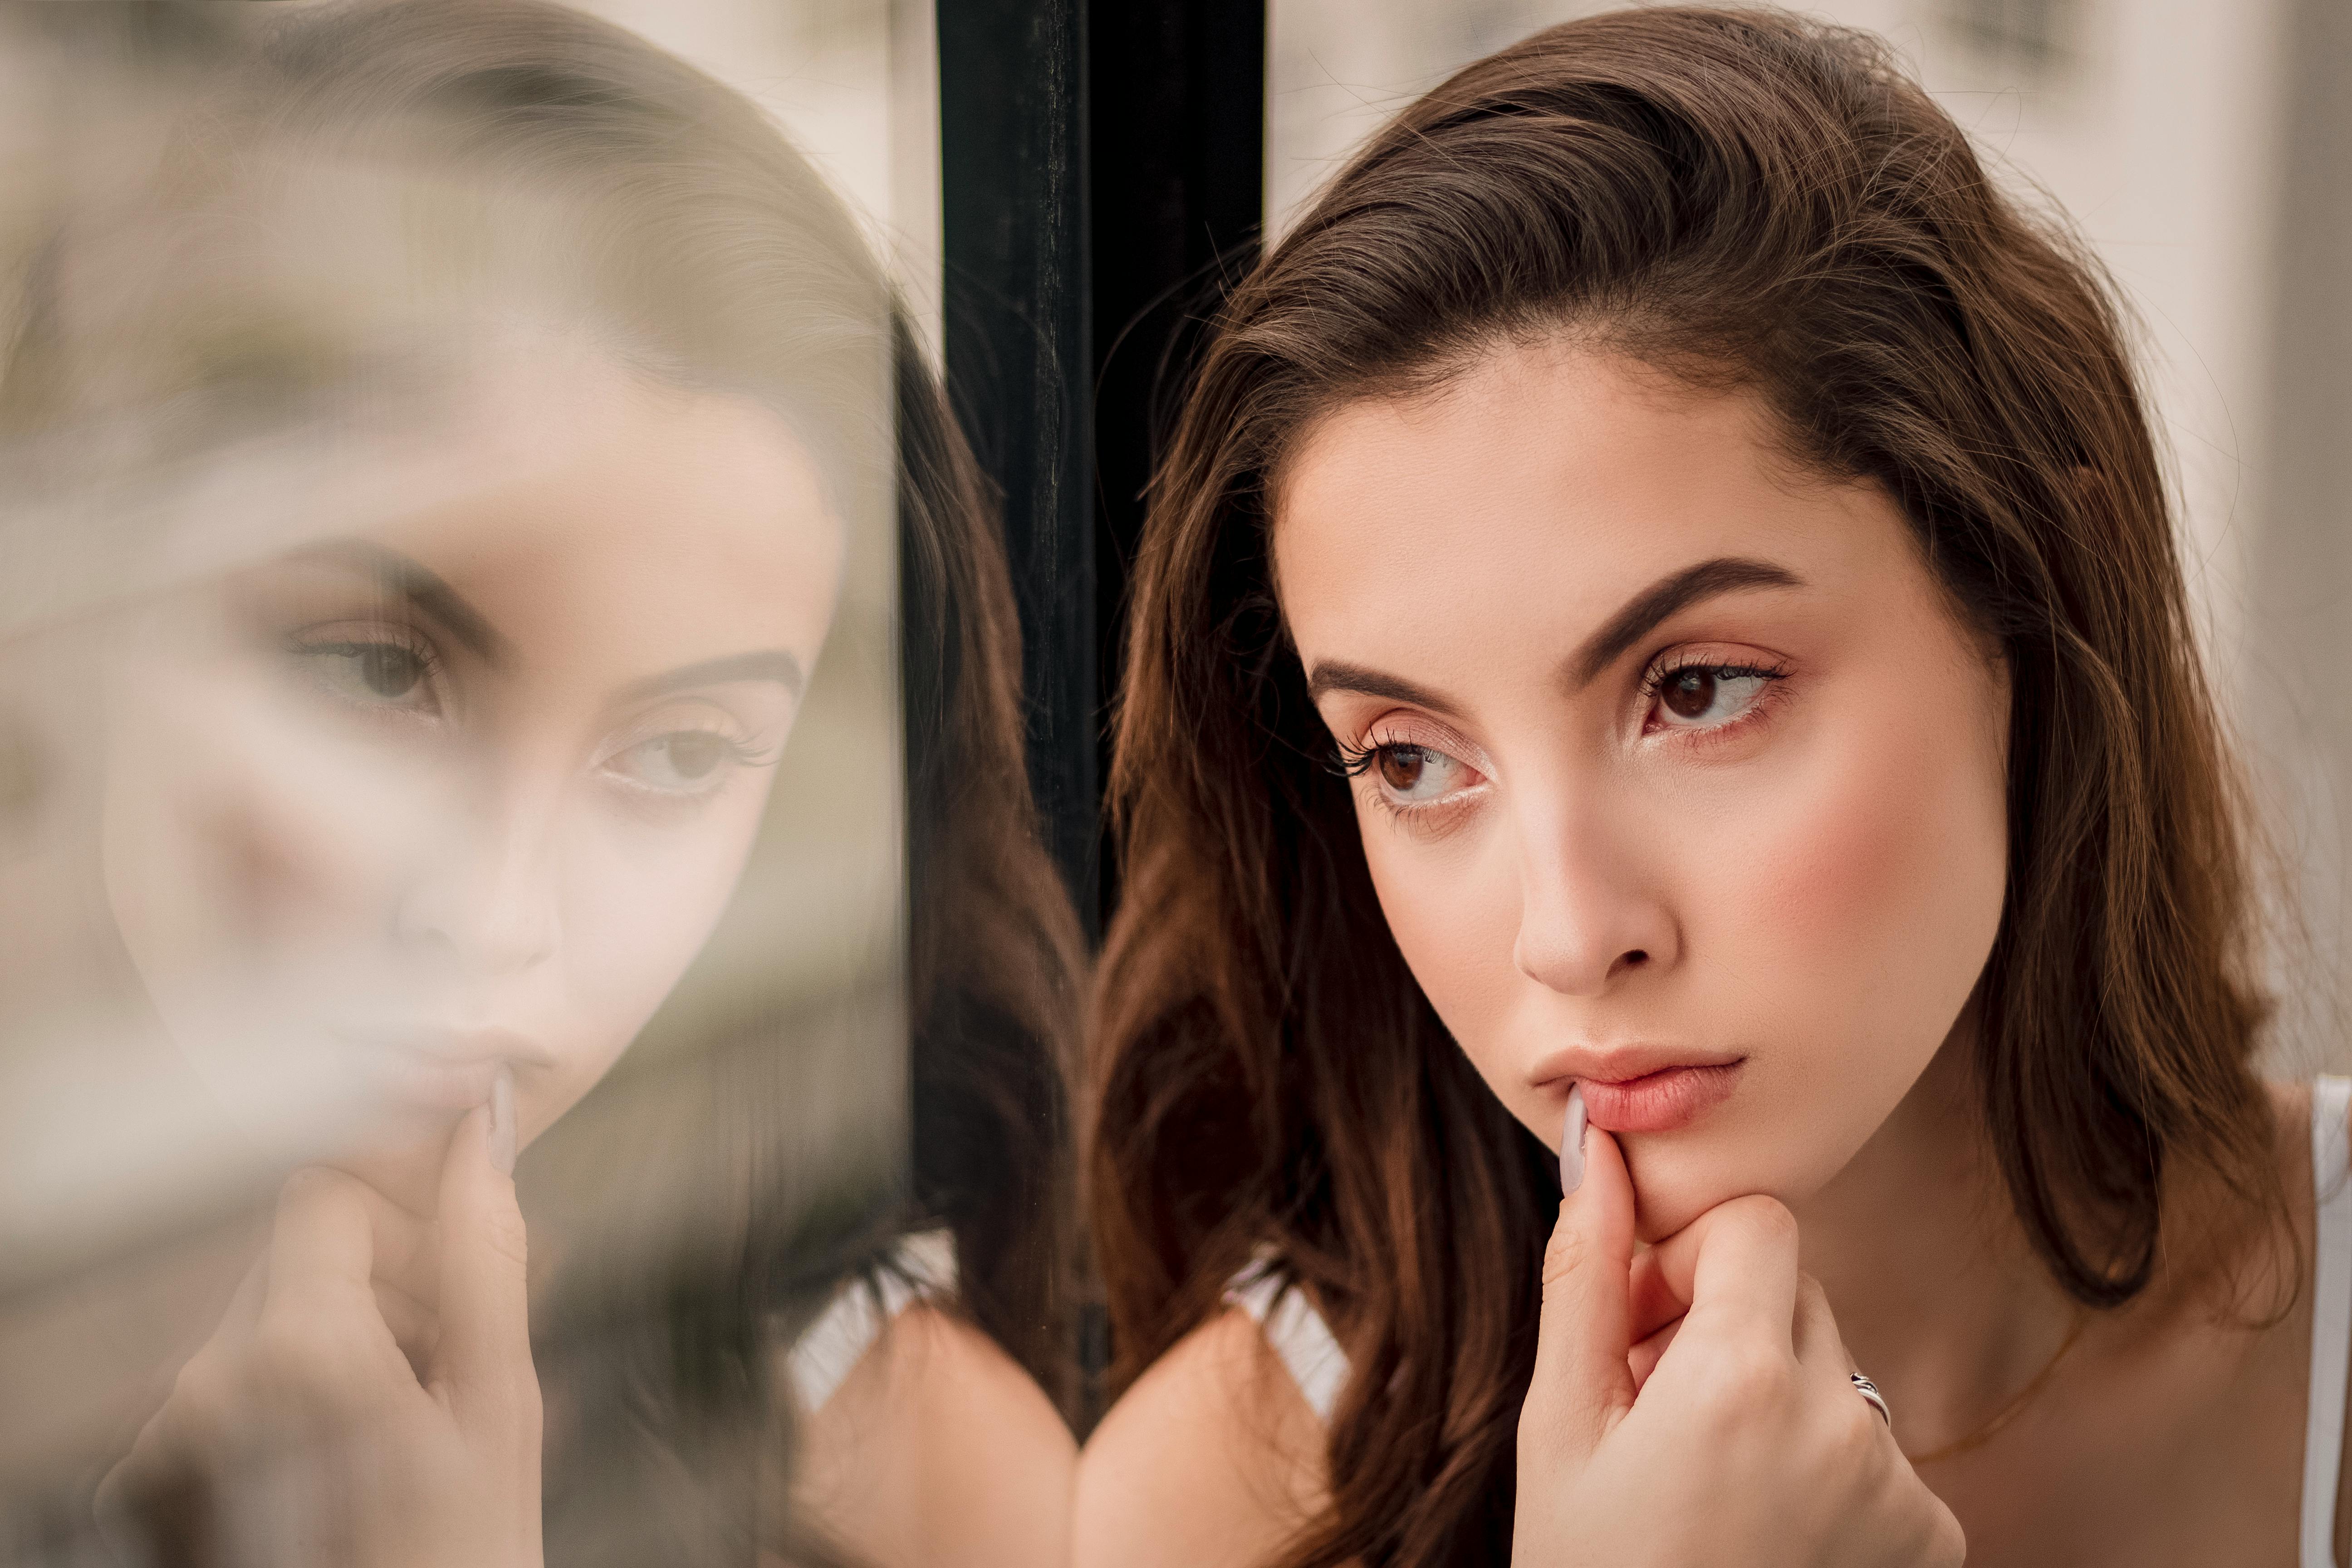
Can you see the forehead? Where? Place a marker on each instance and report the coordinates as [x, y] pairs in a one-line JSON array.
[[1547, 479], [620, 525]]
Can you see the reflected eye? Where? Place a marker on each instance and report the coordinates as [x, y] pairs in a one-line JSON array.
[[683, 761], [393, 672], [1705, 697]]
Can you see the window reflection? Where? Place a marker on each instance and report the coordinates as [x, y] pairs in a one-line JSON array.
[[503, 648]]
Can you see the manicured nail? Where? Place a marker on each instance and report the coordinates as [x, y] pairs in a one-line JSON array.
[[1572, 1142], [502, 1121]]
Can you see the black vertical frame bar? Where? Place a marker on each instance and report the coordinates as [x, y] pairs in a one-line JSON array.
[[1177, 149], [1102, 172], [1012, 172]]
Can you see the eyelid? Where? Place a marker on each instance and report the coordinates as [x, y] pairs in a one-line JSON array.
[[1701, 655], [319, 637], [1409, 727]]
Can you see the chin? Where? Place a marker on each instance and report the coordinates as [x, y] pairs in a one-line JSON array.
[[1676, 1179]]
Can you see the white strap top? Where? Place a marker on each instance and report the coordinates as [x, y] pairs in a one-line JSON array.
[[2331, 1317], [1295, 1332], [925, 1271]]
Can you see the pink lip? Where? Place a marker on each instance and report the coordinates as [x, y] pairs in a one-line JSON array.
[[1641, 1087], [1662, 1100]]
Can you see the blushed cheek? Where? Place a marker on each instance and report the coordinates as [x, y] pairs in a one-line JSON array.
[[1872, 896]]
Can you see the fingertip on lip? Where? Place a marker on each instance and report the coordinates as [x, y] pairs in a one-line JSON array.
[[1571, 1141]]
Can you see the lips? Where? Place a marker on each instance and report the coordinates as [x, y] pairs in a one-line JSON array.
[[1659, 1101], [437, 1068], [1642, 1088]]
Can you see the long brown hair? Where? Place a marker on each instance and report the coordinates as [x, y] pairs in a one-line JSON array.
[[1753, 200]]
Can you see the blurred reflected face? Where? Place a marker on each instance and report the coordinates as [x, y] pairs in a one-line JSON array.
[[1678, 775], [471, 787]]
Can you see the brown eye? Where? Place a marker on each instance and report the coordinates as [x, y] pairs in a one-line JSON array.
[[388, 670], [374, 674], [692, 755], [1709, 696], [1401, 768], [1689, 693], [680, 762]]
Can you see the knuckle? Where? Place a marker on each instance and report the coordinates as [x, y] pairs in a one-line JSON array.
[[1564, 1255], [1766, 1218], [201, 1395], [304, 1356], [507, 1237], [1853, 1436], [310, 1183], [1741, 1381], [1948, 1545]]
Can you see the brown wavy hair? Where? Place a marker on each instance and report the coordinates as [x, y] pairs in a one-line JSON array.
[[1745, 199]]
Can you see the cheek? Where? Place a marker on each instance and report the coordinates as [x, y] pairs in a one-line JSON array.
[[1843, 927], [641, 900], [1452, 906]]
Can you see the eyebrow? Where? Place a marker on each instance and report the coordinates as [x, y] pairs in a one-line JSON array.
[[1337, 675], [1641, 615], [397, 575], [766, 664]]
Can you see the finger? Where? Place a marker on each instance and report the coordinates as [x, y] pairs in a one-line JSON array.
[[1582, 1385], [415, 1328], [242, 1317], [1743, 1275], [1658, 1292], [1642, 1359], [483, 1358], [1820, 1347], [319, 1329], [407, 1249]]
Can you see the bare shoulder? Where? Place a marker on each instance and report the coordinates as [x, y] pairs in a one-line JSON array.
[[938, 1448], [1213, 1458]]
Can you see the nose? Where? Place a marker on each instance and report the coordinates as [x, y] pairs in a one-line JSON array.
[[1589, 914], [491, 901]]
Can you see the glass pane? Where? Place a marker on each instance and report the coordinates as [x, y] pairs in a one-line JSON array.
[[501, 650]]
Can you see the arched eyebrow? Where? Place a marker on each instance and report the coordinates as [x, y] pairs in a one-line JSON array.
[[1640, 616], [398, 576], [766, 664], [1667, 596]]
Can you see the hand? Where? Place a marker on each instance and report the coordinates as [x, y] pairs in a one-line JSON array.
[[1743, 1441], [370, 1397]]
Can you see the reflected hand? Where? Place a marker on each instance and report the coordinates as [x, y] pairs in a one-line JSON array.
[[1742, 1441], [370, 1397]]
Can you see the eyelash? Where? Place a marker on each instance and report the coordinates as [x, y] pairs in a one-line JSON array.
[[1654, 685], [1351, 762]]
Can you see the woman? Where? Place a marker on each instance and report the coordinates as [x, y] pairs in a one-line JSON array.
[[528, 423], [1661, 691]]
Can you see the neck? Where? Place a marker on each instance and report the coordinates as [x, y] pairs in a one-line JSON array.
[[1937, 1294]]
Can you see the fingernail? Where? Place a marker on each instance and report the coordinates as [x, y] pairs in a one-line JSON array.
[[502, 1121], [1572, 1142]]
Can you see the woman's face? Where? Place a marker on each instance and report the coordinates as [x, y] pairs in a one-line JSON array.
[[1679, 775], [471, 787]]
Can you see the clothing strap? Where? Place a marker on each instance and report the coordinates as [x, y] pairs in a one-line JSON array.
[[922, 1268], [2331, 1317], [1297, 1333]]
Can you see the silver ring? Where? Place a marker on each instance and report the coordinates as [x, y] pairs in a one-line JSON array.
[[1869, 1391]]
